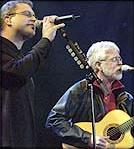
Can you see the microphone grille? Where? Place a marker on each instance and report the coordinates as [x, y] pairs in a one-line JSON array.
[[127, 68], [38, 23]]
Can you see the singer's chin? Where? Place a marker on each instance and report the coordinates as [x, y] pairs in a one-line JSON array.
[[28, 35], [32, 33], [118, 76]]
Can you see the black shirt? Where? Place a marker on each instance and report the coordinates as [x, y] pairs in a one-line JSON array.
[[17, 88]]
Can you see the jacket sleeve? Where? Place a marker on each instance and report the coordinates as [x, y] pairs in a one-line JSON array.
[[27, 65], [17, 69], [60, 120]]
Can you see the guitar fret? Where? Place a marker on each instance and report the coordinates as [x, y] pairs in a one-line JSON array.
[[125, 126]]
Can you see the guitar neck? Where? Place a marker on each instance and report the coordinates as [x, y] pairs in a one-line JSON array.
[[126, 126]]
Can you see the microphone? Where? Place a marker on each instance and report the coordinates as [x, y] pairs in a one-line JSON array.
[[127, 68], [58, 20]]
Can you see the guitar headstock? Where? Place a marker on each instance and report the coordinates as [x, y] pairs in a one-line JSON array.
[[78, 55]]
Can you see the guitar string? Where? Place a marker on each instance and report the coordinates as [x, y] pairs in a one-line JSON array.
[[118, 130], [124, 128], [121, 128]]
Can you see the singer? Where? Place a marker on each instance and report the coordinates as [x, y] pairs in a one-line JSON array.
[[17, 70], [75, 105]]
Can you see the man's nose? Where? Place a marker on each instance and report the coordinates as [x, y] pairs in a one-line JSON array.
[[120, 61], [33, 18]]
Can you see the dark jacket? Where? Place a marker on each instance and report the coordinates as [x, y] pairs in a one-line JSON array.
[[17, 92], [75, 106]]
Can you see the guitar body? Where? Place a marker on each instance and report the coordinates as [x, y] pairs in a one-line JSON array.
[[109, 126]]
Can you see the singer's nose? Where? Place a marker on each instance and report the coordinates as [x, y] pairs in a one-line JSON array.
[[119, 60], [38, 23], [33, 18]]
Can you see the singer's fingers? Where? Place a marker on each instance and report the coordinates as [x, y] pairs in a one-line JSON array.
[[106, 137], [45, 19], [50, 19], [59, 26], [103, 139]]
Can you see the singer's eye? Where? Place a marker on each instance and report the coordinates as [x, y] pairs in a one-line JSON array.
[[25, 13], [28, 14], [114, 59]]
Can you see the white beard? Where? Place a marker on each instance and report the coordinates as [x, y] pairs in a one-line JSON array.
[[118, 77]]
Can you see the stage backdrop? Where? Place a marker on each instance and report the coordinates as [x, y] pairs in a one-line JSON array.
[[99, 20]]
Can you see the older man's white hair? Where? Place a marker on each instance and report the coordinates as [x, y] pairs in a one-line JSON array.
[[97, 51]]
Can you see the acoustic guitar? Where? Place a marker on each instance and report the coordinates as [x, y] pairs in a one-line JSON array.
[[116, 124]]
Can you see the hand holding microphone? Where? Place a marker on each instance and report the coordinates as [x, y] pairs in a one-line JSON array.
[[49, 28], [58, 20], [52, 23]]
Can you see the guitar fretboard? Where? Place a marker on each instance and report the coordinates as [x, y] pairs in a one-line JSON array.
[[127, 125]]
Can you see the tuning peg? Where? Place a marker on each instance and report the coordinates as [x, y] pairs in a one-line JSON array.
[[72, 54], [78, 62], [87, 67], [82, 66], [69, 49], [76, 58]]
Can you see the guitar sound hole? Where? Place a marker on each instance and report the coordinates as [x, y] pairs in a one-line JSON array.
[[113, 133]]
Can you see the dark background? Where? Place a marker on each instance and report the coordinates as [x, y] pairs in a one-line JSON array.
[[100, 20]]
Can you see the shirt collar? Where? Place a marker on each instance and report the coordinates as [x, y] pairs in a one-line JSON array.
[[115, 85]]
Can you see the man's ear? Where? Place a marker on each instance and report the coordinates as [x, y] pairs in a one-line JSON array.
[[7, 20], [98, 66]]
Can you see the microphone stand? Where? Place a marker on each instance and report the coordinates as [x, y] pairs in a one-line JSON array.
[[91, 77]]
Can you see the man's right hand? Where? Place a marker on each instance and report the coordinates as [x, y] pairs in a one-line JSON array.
[[49, 28], [101, 142]]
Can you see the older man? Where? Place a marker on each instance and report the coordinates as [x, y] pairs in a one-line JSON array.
[[75, 105]]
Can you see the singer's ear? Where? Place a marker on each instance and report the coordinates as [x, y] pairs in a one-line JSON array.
[[98, 66], [7, 20]]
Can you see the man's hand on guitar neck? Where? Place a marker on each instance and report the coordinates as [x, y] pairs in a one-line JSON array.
[[101, 142]]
